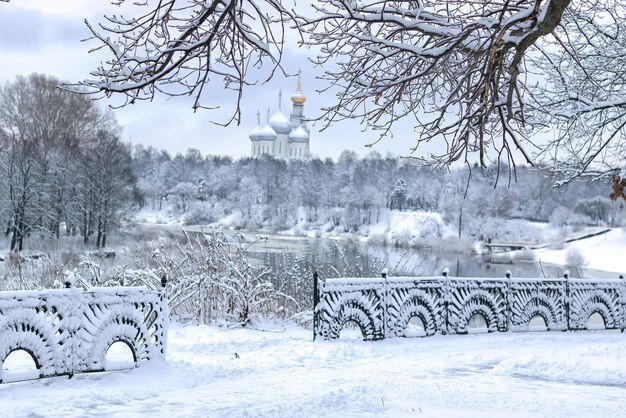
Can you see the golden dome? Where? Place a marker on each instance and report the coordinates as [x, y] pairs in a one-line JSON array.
[[298, 98]]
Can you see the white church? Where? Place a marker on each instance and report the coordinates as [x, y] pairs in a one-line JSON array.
[[283, 136]]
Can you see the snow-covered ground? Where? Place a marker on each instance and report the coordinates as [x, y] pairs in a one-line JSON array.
[[218, 372]]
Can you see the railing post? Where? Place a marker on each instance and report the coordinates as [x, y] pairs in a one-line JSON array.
[[164, 314], [508, 300], [446, 298], [623, 299], [567, 298], [315, 302], [385, 297]]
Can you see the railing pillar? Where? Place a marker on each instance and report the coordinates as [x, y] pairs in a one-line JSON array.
[[567, 298], [446, 300], [316, 299], [623, 299], [507, 298], [385, 300]]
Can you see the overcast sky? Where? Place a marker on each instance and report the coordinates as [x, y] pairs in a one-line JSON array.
[[45, 36]]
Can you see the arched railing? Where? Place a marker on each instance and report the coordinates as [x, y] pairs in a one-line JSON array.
[[382, 307], [70, 330]]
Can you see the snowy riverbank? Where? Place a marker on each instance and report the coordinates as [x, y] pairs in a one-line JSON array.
[[419, 229], [604, 252], [392, 227]]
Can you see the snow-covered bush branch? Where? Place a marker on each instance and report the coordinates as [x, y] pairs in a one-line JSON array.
[[211, 278]]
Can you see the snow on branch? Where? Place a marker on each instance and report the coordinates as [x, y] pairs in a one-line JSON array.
[[479, 79], [584, 94], [453, 66]]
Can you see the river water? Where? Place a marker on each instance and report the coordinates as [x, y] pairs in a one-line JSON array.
[[349, 258], [346, 258]]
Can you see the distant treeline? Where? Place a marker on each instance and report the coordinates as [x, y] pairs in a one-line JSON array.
[[65, 171], [274, 194]]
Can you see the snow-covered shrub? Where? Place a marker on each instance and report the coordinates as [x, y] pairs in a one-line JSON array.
[[350, 219], [211, 276], [252, 224], [575, 258], [524, 256], [199, 213], [562, 216], [183, 194], [403, 238], [335, 215], [430, 228], [597, 208], [377, 239]]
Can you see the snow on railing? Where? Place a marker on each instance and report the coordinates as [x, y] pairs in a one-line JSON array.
[[70, 330], [384, 307]]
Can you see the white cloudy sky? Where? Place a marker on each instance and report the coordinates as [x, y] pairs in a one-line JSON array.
[[44, 36]]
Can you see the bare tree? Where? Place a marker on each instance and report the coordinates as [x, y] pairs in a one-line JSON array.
[[106, 183], [43, 128], [480, 78], [585, 93], [22, 180]]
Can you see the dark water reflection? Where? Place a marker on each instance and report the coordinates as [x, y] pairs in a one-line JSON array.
[[352, 259]]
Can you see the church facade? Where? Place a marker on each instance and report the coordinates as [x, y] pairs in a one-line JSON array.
[[283, 136]]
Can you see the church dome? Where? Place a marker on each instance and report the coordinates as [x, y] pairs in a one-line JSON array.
[[266, 133], [299, 135], [254, 135], [298, 98], [280, 123]]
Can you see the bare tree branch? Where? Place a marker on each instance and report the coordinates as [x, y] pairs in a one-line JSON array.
[[454, 66], [177, 47], [480, 79]]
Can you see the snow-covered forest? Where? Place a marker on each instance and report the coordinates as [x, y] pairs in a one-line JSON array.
[[323, 195], [64, 168], [69, 174]]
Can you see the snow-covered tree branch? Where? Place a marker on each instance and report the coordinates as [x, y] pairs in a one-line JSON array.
[[176, 47], [456, 67], [481, 79], [585, 94]]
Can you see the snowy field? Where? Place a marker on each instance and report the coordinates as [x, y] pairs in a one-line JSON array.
[[217, 372]]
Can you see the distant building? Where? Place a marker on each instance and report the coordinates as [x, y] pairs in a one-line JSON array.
[[283, 136]]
